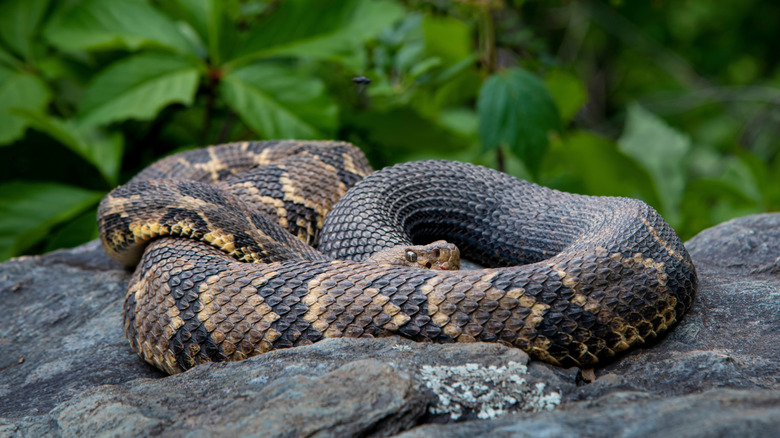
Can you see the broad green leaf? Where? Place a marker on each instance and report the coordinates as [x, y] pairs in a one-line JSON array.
[[457, 85], [461, 120], [704, 162], [408, 55], [8, 61], [739, 175], [102, 149], [568, 91], [600, 168], [80, 229], [138, 87], [105, 24], [766, 178], [447, 38], [516, 110], [661, 150], [196, 13], [400, 134], [707, 202], [278, 102], [317, 29], [212, 25], [18, 23], [423, 67], [28, 211], [19, 90]]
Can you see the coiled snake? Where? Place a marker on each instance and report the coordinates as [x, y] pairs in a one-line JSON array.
[[228, 268]]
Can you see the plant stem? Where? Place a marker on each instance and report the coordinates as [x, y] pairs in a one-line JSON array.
[[214, 76], [500, 164], [227, 126], [488, 34], [489, 65]]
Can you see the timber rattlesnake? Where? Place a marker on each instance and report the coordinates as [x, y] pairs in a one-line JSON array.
[[574, 279]]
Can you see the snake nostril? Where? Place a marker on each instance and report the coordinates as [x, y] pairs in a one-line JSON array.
[[428, 265]]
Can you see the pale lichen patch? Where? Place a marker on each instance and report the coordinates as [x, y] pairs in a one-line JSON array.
[[487, 391]]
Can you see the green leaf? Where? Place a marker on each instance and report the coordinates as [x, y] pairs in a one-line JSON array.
[[461, 120], [568, 91], [279, 102], [423, 67], [100, 148], [740, 176], [765, 177], [212, 25], [28, 210], [138, 87], [8, 61], [318, 29], [661, 150], [19, 90], [447, 38], [516, 110], [107, 24], [18, 23], [196, 13], [403, 134], [600, 168], [707, 202], [79, 230]]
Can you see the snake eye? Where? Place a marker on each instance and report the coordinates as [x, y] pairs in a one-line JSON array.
[[411, 256]]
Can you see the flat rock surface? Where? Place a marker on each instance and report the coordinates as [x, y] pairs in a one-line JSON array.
[[67, 370]]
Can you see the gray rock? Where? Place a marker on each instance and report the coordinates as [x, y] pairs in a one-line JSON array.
[[66, 369], [714, 413], [62, 330]]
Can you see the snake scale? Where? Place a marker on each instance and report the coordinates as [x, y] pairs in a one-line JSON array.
[[224, 241]]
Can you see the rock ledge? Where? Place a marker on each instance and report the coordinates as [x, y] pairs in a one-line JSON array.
[[66, 369]]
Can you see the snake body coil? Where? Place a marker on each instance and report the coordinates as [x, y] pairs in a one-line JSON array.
[[574, 279]]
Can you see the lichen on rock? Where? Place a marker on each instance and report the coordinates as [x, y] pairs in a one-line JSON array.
[[487, 391]]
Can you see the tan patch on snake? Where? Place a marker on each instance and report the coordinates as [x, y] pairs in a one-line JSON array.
[[274, 207], [147, 229], [349, 166], [219, 239], [317, 302], [629, 334], [327, 306], [638, 261], [263, 158], [293, 192], [588, 304], [664, 244], [153, 345], [237, 318], [215, 165]]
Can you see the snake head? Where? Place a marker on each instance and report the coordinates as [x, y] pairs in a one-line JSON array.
[[439, 255]]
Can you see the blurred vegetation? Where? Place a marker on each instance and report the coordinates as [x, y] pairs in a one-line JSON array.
[[676, 103]]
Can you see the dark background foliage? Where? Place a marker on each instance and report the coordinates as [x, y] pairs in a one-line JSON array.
[[676, 103]]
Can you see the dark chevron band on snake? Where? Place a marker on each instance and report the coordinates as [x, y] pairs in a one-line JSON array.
[[226, 239]]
